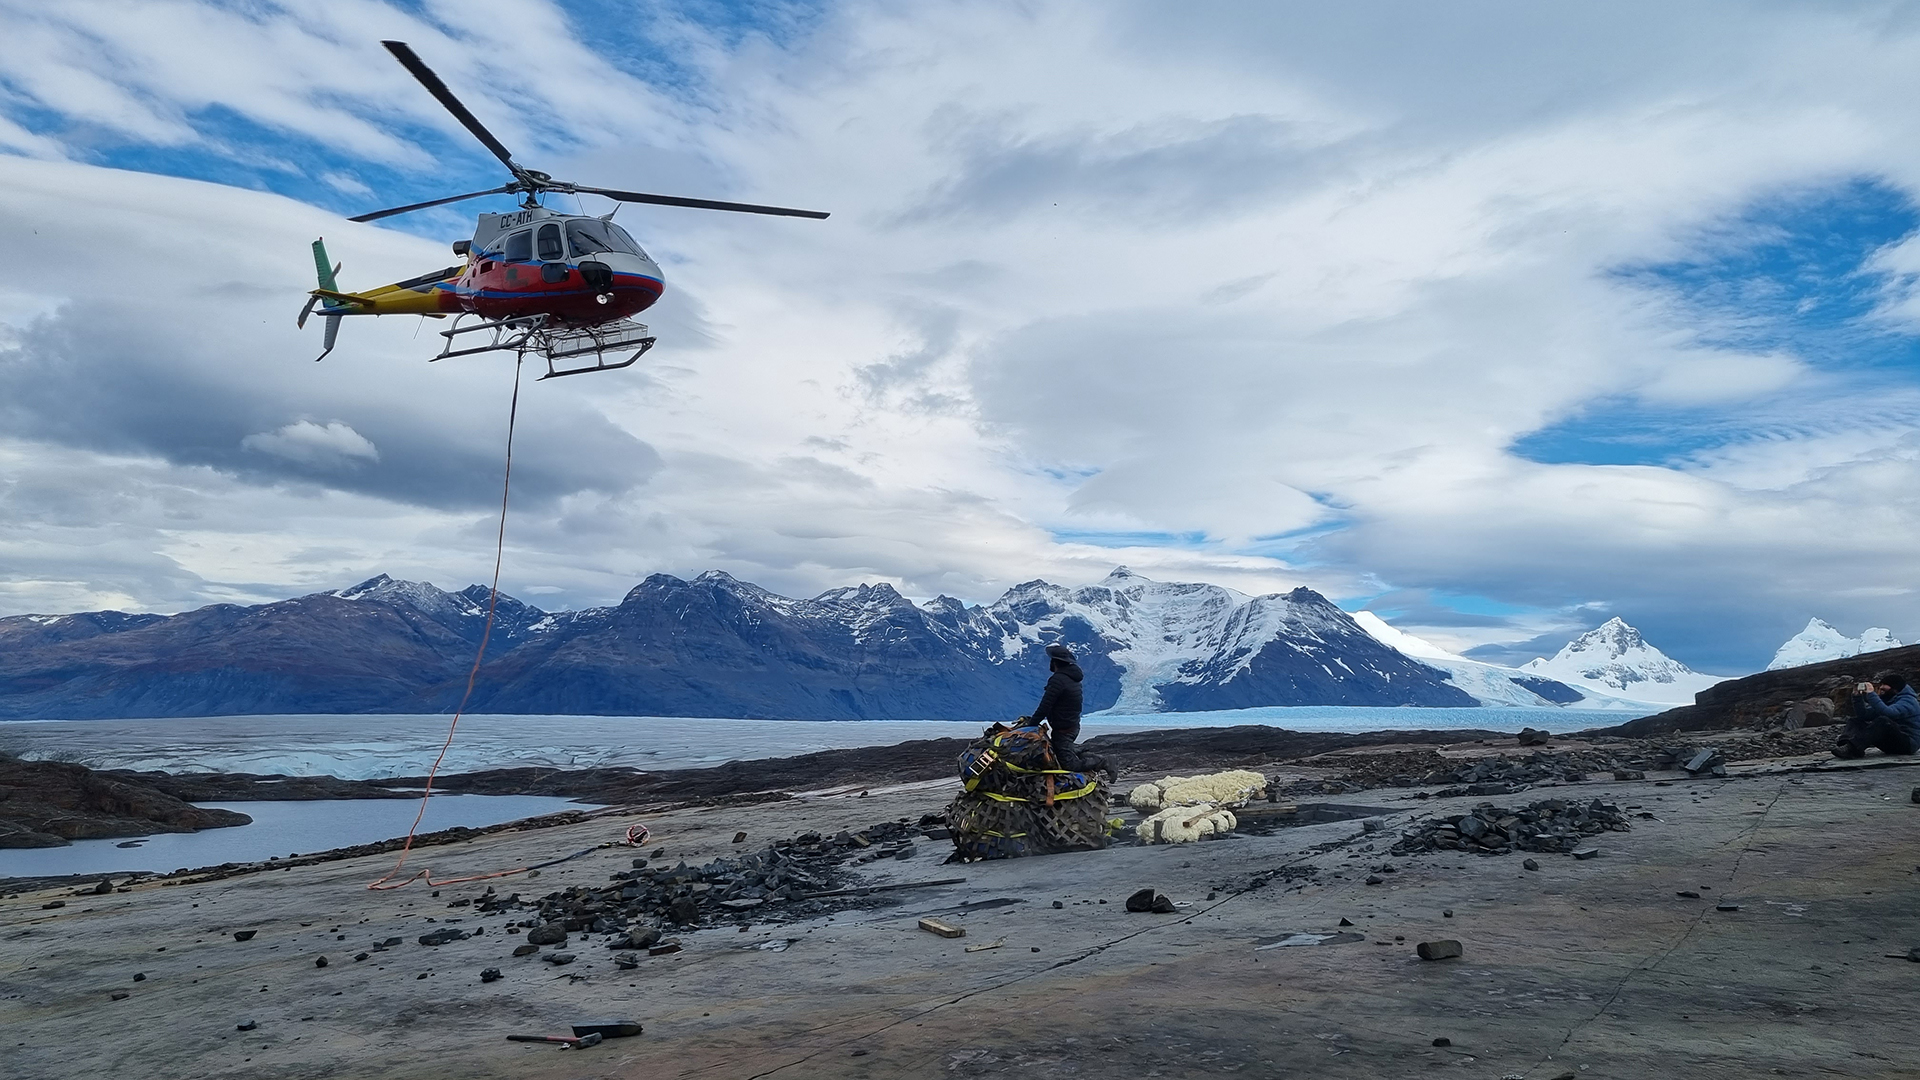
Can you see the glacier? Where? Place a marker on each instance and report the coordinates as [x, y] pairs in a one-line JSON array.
[[1492, 684]]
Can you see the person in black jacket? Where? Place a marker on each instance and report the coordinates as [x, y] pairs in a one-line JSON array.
[[1059, 707]]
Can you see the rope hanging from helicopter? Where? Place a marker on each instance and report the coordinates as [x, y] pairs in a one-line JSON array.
[[529, 298]]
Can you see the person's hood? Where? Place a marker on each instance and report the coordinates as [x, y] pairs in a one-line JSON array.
[[1905, 692], [1072, 671]]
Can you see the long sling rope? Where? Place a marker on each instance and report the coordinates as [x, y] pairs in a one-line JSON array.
[[486, 633]]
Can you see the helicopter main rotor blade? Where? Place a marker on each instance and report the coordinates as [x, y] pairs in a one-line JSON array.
[[378, 214], [403, 53], [698, 204]]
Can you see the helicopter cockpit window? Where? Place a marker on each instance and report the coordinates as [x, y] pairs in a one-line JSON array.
[[550, 249], [520, 246], [590, 236]]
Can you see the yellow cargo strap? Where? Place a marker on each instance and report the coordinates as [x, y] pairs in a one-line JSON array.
[[1074, 794]]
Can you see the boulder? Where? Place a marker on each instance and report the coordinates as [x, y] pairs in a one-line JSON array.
[[549, 934]]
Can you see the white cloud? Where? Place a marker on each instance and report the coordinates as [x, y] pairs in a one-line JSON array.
[[307, 443]]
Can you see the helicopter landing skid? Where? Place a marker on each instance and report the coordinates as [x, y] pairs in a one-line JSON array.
[[533, 334]]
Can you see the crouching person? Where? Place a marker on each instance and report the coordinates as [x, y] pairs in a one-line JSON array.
[[1059, 707], [1886, 715]]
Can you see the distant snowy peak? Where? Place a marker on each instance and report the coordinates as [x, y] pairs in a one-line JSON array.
[[1614, 659], [385, 590], [1820, 641], [464, 612]]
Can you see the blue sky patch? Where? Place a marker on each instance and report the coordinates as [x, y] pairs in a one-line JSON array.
[[1121, 538], [1790, 274]]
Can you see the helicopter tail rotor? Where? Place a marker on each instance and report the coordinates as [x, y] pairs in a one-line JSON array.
[[328, 274]]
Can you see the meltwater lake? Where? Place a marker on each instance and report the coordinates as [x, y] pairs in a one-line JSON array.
[[364, 747]]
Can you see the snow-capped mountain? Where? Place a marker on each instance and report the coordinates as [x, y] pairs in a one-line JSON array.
[[1614, 659], [1188, 647], [713, 646], [1820, 641], [1490, 684]]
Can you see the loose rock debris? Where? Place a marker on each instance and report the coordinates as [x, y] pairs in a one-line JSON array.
[[788, 880], [1550, 825]]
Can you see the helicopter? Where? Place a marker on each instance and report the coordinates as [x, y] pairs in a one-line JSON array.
[[533, 280]]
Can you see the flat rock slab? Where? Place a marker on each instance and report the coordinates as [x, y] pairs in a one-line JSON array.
[[1584, 964]]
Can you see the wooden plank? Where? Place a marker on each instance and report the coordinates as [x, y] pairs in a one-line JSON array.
[[935, 926]]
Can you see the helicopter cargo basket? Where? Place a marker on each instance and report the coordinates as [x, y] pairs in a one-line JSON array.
[[558, 344]]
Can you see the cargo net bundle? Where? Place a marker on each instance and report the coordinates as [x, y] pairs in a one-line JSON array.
[[1017, 800]]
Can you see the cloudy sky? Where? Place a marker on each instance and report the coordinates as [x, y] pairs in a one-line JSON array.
[[1498, 319]]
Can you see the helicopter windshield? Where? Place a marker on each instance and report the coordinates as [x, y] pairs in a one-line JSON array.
[[590, 236]]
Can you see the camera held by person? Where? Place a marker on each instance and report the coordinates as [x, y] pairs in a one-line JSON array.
[[1886, 716]]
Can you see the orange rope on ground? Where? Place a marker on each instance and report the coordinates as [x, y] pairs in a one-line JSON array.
[[499, 555]]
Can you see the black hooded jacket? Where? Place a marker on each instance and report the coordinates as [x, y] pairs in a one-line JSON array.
[[1060, 703]]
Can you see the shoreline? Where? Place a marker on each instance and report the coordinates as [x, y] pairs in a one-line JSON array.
[[1336, 762]]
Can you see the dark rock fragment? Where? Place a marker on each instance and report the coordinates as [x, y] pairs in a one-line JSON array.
[[549, 934], [319, 961], [244, 935], [246, 1025], [1141, 901], [446, 935], [52, 904], [1446, 949], [638, 938], [525, 950], [488, 975], [1443, 1041], [558, 958], [1530, 864], [1706, 761]]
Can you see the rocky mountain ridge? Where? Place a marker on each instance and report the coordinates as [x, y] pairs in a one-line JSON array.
[[712, 646]]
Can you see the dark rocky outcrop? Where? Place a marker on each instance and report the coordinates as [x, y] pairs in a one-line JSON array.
[[52, 803], [1770, 697]]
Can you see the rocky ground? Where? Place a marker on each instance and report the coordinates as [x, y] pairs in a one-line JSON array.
[[1610, 925]]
